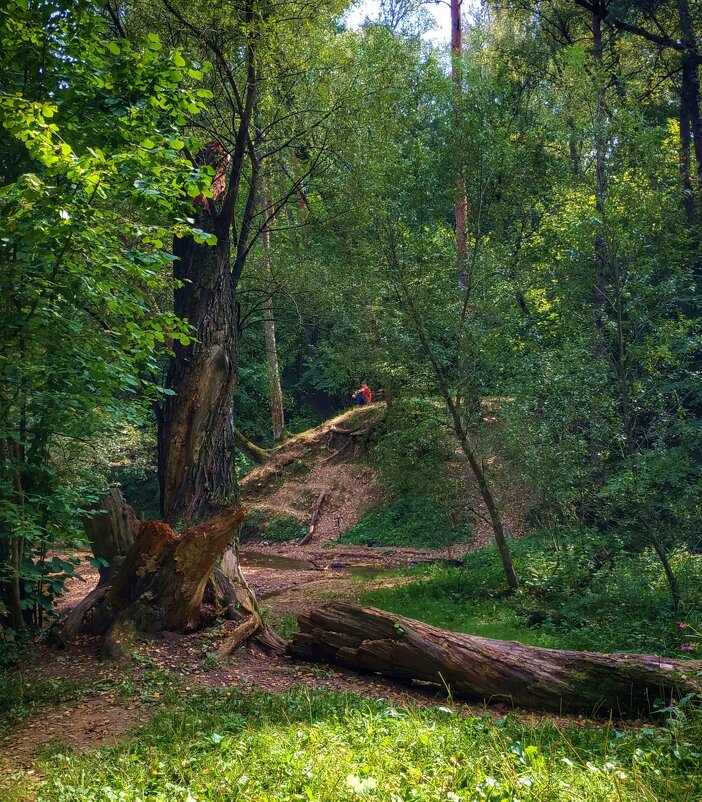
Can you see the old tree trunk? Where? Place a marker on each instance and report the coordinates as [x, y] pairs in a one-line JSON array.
[[165, 578], [160, 585], [491, 670], [195, 429]]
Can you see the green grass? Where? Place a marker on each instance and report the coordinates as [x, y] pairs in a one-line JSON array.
[[318, 746], [415, 521], [563, 602]]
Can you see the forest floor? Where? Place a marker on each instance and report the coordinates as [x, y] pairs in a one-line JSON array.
[[289, 579], [81, 702]]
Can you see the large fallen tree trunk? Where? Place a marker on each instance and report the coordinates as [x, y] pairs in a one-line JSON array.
[[367, 639], [346, 435]]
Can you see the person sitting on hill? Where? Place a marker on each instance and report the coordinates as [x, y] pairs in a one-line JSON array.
[[364, 395]]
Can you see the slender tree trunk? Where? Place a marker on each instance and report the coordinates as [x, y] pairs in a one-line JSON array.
[[195, 437], [685, 159], [275, 390], [600, 244], [461, 200], [16, 544], [691, 82], [463, 438]]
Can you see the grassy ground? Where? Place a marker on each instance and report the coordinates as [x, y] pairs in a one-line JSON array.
[[313, 745], [219, 746], [414, 521], [563, 602]]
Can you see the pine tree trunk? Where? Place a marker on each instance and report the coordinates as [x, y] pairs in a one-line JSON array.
[[195, 434]]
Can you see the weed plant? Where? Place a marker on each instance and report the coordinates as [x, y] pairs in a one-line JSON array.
[[318, 746], [22, 693], [279, 529]]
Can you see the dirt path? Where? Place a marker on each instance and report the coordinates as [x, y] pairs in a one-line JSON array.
[[106, 712]]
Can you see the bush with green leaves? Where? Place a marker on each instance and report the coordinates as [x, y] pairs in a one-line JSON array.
[[259, 525], [414, 521], [571, 597], [91, 172]]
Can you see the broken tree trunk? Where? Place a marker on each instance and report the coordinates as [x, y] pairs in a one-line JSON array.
[[491, 670], [111, 531], [161, 583]]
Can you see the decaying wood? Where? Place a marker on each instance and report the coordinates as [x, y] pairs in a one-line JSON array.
[[74, 621], [367, 639], [240, 635], [353, 427], [160, 584], [111, 530], [253, 625], [313, 519]]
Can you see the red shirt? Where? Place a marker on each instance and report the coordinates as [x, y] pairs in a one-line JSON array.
[[367, 394]]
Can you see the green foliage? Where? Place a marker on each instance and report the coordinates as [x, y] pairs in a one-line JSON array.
[[317, 745], [91, 174], [586, 596], [277, 529], [282, 528], [413, 521], [133, 467]]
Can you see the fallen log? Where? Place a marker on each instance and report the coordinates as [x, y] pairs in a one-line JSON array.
[[253, 452], [367, 639]]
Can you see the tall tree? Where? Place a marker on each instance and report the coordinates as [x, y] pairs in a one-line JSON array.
[[91, 171]]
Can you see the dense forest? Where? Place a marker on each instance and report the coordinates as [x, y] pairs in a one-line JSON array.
[[217, 221]]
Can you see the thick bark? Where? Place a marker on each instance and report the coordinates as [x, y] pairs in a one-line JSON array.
[[195, 437], [161, 583], [491, 670], [111, 530]]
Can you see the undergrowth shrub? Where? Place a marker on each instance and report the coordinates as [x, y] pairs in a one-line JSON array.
[[416, 521], [569, 598], [279, 528], [22, 694]]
